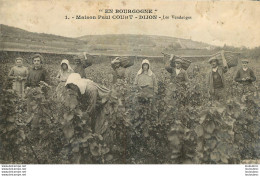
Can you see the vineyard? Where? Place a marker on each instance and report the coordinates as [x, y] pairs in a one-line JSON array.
[[184, 127]]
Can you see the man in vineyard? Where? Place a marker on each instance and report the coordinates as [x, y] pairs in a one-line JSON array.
[[37, 73], [118, 70], [216, 81], [82, 62], [245, 76], [178, 75], [37, 76], [119, 65]]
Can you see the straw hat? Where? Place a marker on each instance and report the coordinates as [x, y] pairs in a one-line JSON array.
[[178, 60], [213, 59]]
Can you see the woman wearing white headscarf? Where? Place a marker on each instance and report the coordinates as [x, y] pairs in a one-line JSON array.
[[90, 97], [145, 80], [65, 71]]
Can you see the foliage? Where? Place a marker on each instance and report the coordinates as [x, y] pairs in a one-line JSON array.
[[183, 126]]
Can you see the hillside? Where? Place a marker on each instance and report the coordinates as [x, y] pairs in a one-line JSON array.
[[141, 44], [15, 39]]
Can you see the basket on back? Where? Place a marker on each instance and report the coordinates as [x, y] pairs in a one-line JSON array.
[[230, 57], [122, 62], [185, 62], [85, 59]]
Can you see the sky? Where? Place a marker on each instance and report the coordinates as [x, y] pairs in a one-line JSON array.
[[234, 23]]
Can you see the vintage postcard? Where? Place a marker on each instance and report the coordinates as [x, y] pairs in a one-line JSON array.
[[129, 82]]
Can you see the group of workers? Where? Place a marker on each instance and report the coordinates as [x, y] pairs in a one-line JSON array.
[[145, 79]]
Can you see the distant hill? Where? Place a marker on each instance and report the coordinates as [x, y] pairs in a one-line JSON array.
[[141, 44], [15, 39]]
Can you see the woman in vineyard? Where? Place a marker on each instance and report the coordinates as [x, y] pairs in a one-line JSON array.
[[90, 97], [145, 80], [63, 75], [18, 74]]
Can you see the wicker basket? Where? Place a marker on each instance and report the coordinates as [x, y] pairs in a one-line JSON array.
[[230, 57], [126, 62], [185, 62]]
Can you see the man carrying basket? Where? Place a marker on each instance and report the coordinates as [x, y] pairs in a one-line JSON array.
[[216, 80], [178, 73], [81, 63]]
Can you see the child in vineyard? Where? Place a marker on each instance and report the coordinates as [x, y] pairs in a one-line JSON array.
[[216, 81], [245, 77], [63, 75], [18, 74]]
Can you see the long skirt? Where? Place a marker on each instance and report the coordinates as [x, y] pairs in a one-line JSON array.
[[18, 87]]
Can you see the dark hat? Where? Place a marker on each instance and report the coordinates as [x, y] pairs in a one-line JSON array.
[[245, 60]]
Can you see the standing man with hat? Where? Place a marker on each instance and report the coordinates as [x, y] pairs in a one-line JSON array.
[[178, 75], [245, 76], [216, 81]]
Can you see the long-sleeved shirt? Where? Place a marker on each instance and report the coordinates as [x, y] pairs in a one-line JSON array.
[[180, 78], [80, 68], [118, 73], [245, 74], [220, 71], [143, 80], [37, 75], [18, 71]]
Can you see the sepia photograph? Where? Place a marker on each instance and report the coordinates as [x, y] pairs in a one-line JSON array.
[[129, 82]]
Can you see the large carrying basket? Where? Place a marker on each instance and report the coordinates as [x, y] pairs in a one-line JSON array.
[[185, 62], [230, 57], [86, 59], [122, 62]]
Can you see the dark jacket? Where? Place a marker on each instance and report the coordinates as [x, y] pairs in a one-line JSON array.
[[221, 71], [35, 76], [80, 68], [245, 74], [181, 78]]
